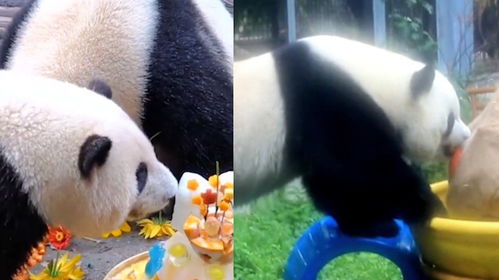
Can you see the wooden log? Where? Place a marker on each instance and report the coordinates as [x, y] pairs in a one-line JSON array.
[[481, 90]]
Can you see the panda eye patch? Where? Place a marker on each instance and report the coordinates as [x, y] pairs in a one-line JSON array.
[[141, 175], [450, 124]]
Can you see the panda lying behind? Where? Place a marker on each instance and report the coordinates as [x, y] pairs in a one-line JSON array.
[[61, 164], [345, 116], [169, 63]]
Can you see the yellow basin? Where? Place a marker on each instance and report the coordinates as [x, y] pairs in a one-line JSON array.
[[460, 247]]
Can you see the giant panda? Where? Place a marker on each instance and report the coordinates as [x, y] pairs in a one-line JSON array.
[[62, 164], [169, 63], [350, 119]]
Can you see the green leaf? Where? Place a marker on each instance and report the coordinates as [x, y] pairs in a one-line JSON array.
[[416, 36], [428, 7], [53, 268]]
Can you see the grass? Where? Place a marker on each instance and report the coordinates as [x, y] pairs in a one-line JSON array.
[[265, 236]]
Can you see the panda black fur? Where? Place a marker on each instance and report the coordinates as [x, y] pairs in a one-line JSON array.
[[309, 110], [21, 227], [169, 64], [61, 164]]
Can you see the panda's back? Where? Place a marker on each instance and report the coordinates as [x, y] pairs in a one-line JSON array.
[[382, 74], [77, 41]]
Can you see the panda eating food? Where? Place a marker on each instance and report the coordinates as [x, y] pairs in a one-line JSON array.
[[168, 62], [348, 118], [61, 164]]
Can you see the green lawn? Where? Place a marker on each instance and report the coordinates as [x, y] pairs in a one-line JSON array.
[[265, 236]]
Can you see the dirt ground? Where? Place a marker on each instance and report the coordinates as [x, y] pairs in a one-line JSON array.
[[98, 258]]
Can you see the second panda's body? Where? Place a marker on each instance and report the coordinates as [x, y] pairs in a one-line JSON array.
[[169, 64], [344, 116]]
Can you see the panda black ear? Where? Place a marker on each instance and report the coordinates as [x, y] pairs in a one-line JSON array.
[[422, 80], [101, 88], [93, 153]]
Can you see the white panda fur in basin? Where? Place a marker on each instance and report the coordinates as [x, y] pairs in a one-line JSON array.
[[62, 164]]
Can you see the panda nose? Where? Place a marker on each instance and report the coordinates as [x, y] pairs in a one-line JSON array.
[[449, 150], [465, 130], [456, 139], [466, 133]]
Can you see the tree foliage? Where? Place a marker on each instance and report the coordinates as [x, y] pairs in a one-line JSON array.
[[410, 25]]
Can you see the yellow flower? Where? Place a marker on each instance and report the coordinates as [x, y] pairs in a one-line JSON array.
[[213, 180], [192, 185], [229, 194], [155, 227], [228, 185], [197, 200], [125, 228], [224, 205], [61, 269], [203, 209]]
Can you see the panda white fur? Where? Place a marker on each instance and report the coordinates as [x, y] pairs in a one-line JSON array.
[[62, 164], [168, 62], [345, 116]]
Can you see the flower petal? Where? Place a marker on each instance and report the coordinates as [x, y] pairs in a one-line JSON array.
[[155, 230], [168, 229], [144, 222], [69, 266], [126, 227], [116, 233], [77, 274], [142, 231]]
